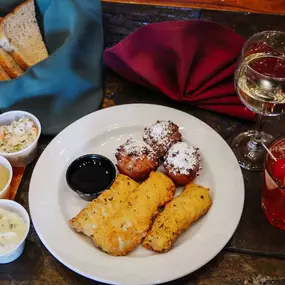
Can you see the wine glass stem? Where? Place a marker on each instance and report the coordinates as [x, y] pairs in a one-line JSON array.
[[256, 142], [258, 133]]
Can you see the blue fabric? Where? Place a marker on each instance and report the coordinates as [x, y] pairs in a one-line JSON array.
[[67, 85]]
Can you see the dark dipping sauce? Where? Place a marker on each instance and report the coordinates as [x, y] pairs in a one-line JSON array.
[[90, 174]]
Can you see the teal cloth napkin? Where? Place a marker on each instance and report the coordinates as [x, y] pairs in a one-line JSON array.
[[67, 85]]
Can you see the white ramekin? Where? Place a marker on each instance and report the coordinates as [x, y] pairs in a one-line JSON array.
[[4, 193], [27, 155], [14, 253]]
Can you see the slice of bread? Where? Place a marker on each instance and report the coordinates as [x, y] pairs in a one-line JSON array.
[[21, 37], [9, 65], [3, 75]]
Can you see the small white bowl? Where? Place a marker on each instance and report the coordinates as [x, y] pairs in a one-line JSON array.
[[27, 155], [4, 193], [14, 253]]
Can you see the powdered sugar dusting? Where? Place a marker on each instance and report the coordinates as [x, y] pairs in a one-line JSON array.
[[137, 148], [162, 135], [159, 131], [182, 158]]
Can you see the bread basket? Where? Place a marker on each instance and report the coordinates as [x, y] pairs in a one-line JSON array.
[[68, 84]]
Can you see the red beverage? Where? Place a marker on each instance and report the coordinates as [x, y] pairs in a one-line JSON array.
[[273, 196], [271, 66]]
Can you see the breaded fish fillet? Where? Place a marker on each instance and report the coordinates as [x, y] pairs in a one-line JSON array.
[[122, 232], [177, 216], [109, 202]]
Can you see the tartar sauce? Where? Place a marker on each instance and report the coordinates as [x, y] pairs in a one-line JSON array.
[[18, 135], [12, 230]]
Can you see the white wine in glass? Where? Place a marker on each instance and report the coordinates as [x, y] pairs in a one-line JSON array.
[[260, 83]]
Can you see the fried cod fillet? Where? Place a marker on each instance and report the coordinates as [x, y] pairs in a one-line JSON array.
[[177, 216], [106, 205], [122, 232]]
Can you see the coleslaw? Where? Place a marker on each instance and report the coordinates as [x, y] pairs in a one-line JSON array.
[[18, 135]]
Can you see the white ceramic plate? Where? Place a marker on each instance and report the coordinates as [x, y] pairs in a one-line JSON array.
[[52, 203]]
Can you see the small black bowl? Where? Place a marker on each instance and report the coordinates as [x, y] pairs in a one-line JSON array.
[[89, 175]]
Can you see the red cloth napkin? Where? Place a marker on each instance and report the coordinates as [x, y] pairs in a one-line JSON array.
[[191, 61]]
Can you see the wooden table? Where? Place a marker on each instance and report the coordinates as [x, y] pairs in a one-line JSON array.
[[255, 6], [256, 252]]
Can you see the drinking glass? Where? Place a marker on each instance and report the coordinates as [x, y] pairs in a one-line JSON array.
[[260, 84], [273, 195]]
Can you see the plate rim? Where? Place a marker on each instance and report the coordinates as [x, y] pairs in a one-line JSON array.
[[66, 130]]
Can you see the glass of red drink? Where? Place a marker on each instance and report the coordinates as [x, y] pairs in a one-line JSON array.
[[273, 195]]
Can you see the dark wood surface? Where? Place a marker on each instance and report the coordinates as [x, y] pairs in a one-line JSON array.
[[254, 6], [245, 24], [256, 252], [119, 20]]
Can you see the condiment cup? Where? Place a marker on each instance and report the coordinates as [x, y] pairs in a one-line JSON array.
[[4, 193], [15, 207], [101, 162], [27, 155]]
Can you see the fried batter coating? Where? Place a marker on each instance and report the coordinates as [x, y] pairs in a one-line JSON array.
[[136, 159], [91, 217], [122, 232], [177, 216]]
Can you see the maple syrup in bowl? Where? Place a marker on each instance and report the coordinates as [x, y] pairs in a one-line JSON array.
[[89, 175], [273, 195]]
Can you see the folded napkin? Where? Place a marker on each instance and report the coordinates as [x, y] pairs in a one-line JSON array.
[[191, 61], [68, 84]]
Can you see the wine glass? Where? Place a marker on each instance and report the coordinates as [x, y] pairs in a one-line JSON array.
[[260, 84]]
